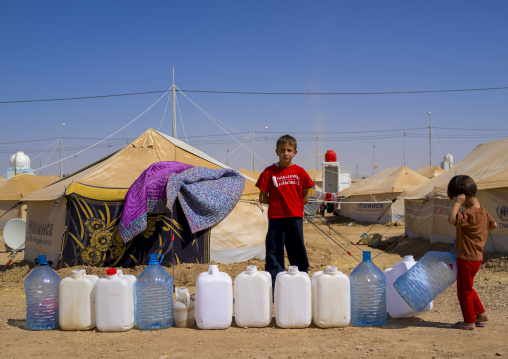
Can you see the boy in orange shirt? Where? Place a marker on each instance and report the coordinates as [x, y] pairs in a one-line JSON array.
[[472, 228]]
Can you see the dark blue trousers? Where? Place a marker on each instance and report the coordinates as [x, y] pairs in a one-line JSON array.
[[286, 232]]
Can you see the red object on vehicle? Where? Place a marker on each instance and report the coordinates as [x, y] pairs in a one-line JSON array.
[[330, 156], [328, 197]]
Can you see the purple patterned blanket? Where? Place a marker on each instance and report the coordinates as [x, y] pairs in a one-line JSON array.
[[147, 195], [206, 195]]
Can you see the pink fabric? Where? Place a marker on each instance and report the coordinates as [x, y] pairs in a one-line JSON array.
[[147, 195]]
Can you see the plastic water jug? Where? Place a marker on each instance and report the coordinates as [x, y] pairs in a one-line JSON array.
[[368, 294], [154, 295], [214, 299], [183, 308], [77, 301], [293, 307], [331, 298], [253, 298], [41, 290], [115, 309], [395, 304], [428, 278]]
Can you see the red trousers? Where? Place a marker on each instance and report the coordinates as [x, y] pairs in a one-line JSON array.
[[469, 302]]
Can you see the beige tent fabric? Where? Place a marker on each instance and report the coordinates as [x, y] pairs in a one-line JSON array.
[[484, 162], [45, 225], [236, 243], [384, 186], [20, 186], [317, 176], [430, 171], [111, 177], [14, 189], [245, 172], [487, 164], [389, 180]]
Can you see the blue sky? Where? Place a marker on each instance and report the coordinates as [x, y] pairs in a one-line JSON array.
[[60, 49]]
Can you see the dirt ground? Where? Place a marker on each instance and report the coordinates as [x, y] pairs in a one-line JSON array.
[[425, 336]]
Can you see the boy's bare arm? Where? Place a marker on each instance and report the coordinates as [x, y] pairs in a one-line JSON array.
[[305, 194], [263, 197], [459, 200], [493, 225]]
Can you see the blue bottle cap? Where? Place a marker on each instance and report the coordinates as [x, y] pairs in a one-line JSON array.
[[42, 259], [366, 255], [154, 258]]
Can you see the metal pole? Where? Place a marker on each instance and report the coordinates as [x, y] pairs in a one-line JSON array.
[[404, 147], [430, 141], [266, 143], [373, 161], [227, 155], [173, 104], [252, 146], [317, 158], [61, 171]]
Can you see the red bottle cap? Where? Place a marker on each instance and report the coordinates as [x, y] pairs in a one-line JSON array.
[[111, 271]]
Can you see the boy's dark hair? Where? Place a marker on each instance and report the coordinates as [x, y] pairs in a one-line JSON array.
[[286, 139], [461, 184]]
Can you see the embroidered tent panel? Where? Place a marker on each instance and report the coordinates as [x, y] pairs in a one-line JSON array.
[[92, 237]]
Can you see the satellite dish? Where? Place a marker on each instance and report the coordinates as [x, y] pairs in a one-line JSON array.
[[14, 233]]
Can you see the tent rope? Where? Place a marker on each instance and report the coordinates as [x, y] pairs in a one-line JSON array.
[[378, 218], [333, 240]]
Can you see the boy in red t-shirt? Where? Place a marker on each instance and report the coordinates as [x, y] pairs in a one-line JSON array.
[[284, 186], [473, 226]]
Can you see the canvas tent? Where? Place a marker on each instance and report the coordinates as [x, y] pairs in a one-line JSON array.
[[430, 171], [13, 190], [317, 178], [372, 197], [427, 206], [101, 188], [254, 175]]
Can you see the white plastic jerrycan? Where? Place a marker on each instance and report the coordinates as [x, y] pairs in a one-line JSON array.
[[293, 308], [331, 298], [396, 306], [253, 298], [214, 299], [77, 301], [183, 308], [115, 302]]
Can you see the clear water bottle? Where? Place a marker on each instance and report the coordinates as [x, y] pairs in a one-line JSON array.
[[154, 296], [368, 294], [428, 278], [41, 290]]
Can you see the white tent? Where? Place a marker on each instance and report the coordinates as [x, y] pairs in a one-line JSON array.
[[371, 198], [427, 206], [239, 237]]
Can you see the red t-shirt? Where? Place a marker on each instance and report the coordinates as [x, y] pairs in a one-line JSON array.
[[284, 186]]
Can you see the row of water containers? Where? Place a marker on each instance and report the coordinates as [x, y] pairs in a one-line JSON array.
[[332, 299]]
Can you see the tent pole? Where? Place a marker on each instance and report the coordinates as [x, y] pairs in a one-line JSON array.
[[173, 104]]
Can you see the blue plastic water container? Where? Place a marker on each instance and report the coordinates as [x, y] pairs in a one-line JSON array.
[[368, 294], [428, 278], [154, 296], [41, 290]]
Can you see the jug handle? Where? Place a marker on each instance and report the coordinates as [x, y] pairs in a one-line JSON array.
[[161, 256]]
